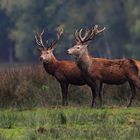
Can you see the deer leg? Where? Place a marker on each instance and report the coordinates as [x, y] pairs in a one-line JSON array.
[[100, 94], [95, 89], [136, 81], [64, 89], [133, 93], [93, 97], [66, 94], [93, 85]]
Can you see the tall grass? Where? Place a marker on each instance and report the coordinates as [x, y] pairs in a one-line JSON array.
[[70, 123], [30, 86]]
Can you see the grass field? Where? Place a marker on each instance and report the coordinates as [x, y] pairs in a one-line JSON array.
[[22, 116], [70, 123]]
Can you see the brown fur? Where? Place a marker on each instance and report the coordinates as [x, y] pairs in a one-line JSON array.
[[117, 71], [66, 72], [101, 70], [112, 71]]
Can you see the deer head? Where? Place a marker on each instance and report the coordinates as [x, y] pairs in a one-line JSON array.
[[82, 40], [46, 51]]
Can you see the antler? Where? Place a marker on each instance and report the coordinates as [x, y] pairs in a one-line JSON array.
[[39, 41], [97, 31], [38, 38], [88, 35], [59, 34]]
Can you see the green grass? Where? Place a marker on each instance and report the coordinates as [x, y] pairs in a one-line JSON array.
[[70, 123]]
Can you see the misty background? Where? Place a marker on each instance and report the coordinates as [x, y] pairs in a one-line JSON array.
[[21, 19]]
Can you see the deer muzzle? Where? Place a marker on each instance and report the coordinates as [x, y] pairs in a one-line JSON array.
[[41, 58], [69, 51]]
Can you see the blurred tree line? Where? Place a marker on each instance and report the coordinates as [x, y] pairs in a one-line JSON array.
[[21, 19]]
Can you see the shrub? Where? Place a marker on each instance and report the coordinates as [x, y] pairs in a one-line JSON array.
[[30, 86]]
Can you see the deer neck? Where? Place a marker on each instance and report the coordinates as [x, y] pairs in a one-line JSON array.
[[84, 61], [51, 66]]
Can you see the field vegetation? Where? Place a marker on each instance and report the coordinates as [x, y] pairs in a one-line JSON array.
[[30, 86], [70, 123], [30, 109]]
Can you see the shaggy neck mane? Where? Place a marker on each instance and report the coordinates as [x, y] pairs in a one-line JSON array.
[[84, 61], [51, 66]]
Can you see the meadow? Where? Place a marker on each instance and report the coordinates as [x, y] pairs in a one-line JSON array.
[[71, 123], [30, 109]]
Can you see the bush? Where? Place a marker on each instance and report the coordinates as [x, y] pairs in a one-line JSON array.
[[24, 86], [30, 86]]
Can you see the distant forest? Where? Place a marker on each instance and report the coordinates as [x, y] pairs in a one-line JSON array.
[[21, 19]]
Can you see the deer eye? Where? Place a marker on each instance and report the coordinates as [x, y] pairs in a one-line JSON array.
[[46, 52], [78, 47]]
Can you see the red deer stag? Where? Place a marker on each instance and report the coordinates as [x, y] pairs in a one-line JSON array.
[[66, 72], [117, 71]]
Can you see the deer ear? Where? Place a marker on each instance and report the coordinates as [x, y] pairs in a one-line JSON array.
[[53, 47], [39, 49], [50, 49], [86, 45]]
